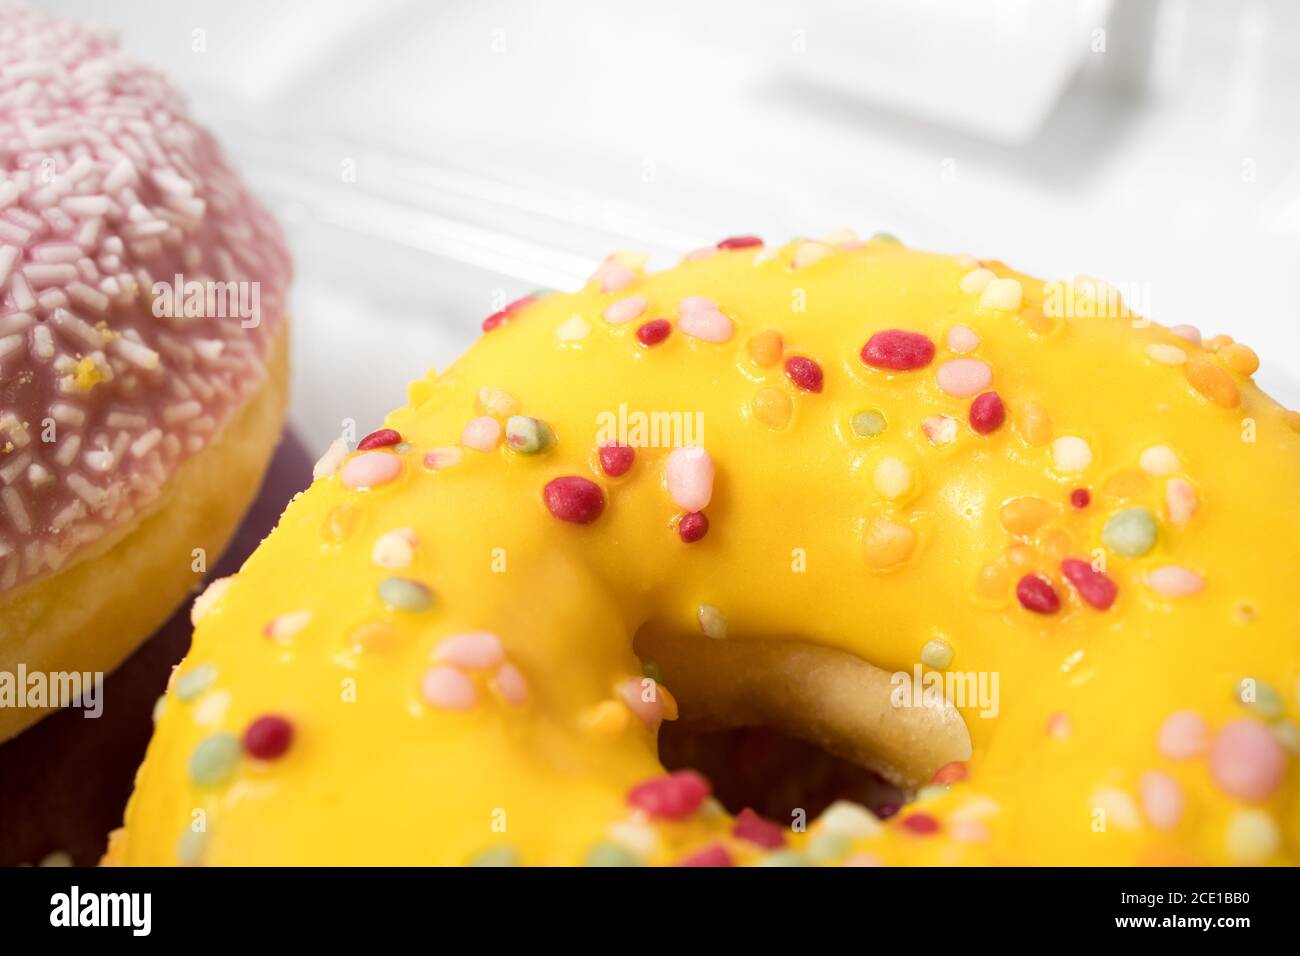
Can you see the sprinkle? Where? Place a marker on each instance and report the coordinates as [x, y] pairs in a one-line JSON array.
[[482, 433], [675, 796], [1059, 725], [1246, 761], [1118, 807], [1080, 498], [497, 856], [1025, 515], [808, 253], [849, 819], [1095, 587], [962, 340], [1036, 594], [1166, 354], [1158, 460], [653, 332], [898, 350], [937, 654], [373, 637], [609, 718], [825, 848], [1001, 294], [1183, 735], [195, 681], [692, 526], [1266, 702], [649, 711], [713, 623], [1071, 453], [804, 372], [886, 544], [625, 310], [371, 469], [403, 594], [689, 475], [1180, 501], [964, 377], [987, 413], [616, 460], [867, 424], [1033, 424], [528, 436], [573, 329], [511, 684], [1240, 359], [284, 627], [213, 760], [1189, 332], [976, 280], [1252, 837], [496, 402], [892, 478], [606, 854], [772, 407], [438, 458], [635, 836], [1130, 532], [340, 523], [950, 773], [614, 276], [472, 651], [752, 828], [699, 318], [1162, 799], [394, 549], [448, 689], [1217, 342], [1212, 381], [379, 439], [331, 461], [268, 737], [739, 242], [574, 499], [209, 598], [939, 429], [711, 856], [921, 824], [765, 348], [191, 847], [1174, 581]]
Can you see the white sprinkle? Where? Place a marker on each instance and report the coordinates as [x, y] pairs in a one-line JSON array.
[[146, 442], [1158, 460], [1071, 453], [134, 352], [976, 280], [1166, 354], [1002, 294]]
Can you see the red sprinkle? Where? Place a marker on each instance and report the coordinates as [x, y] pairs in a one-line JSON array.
[[897, 349], [1093, 586], [1037, 594], [268, 737], [750, 826], [987, 413], [740, 242], [922, 824], [672, 797], [950, 773], [715, 855], [693, 526], [886, 810], [574, 499], [653, 332], [379, 439], [1080, 497], [804, 372], [615, 459], [500, 318]]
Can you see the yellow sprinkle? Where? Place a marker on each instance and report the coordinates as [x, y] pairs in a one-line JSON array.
[[609, 717], [765, 348], [497, 402], [1212, 381], [892, 478], [87, 375], [1033, 424], [1129, 483], [810, 252], [1252, 837], [1002, 294], [1240, 358], [573, 329], [887, 544], [1057, 546], [773, 407], [975, 281], [1023, 516], [668, 703], [340, 524], [994, 581], [1166, 354], [1218, 342]]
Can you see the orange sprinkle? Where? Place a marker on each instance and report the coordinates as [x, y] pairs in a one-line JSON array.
[[1036, 320], [773, 407], [609, 717], [1129, 483], [1212, 381], [765, 348], [1023, 516], [994, 581], [668, 703], [1292, 419], [1057, 545], [1218, 342], [1240, 358], [1033, 424], [887, 544], [374, 637], [1021, 556]]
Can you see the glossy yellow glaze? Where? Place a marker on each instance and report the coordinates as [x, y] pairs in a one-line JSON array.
[[377, 775]]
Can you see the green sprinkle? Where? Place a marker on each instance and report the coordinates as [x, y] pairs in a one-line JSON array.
[[540, 294], [867, 424], [496, 856], [403, 447], [653, 671], [214, 759], [611, 854], [1288, 735], [936, 654], [1267, 703], [930, 791], [191, 847], [886, 237], [827, 847], [528, 436], [195, 681], [784, 858], [403, 594], [1131, 532]]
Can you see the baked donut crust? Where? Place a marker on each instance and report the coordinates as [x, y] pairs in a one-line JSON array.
[[90, 615]]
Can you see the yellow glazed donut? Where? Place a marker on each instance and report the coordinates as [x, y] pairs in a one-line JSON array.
[[1027, 555]]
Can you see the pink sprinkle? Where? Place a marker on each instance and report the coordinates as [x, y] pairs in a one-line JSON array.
[[1059, 725], [649, 712], [970, 831], [950, 773], [448, 688], [689, 473], [473, 650], [987, 413], [1183, 735], [1036, 594], [922, 824], [692, 526], [899, 350], [962, 339], [804, 372], [574, 499], [379, 439], [613, 276], [1174, 581], [1246, 761], [371, 469], [699, 255], [740, 242], [443, 458], [964, 377], [1080, 497], [1189, 332], [675, 796], [1162, 799], [616, 460], [1093, 586], [625, 310], [511, 684], [1180, 500], [482, 433], [715, 855], [653, 332], [699, 318], [749, 826], [863, 859]]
